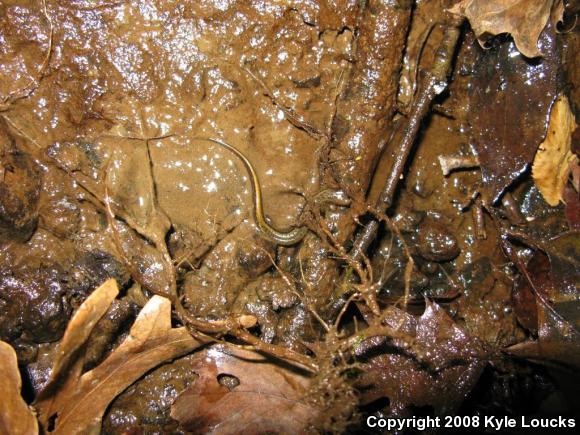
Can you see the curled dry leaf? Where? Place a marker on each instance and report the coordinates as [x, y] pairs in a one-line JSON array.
[[523, 19], [81, 400], [554, 159], [81, 325], [15, 415], [240, 391]]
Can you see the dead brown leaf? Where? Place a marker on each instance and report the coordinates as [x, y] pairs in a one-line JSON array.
[[564, 253], [558, 343], [572, 211], [81, 400], [556, 352], [506, 137], [81, 325], [439, 370], [554, 158], [523, 297], [15, 415], [523, 19], [243, 392], [553, 277]]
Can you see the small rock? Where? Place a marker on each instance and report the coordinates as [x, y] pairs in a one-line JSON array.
[[436, 242]]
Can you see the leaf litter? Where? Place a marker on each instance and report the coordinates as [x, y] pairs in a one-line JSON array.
[[311, 337], [80, 400], [15, 414], [554, 159], [243, 391], [523, 19]]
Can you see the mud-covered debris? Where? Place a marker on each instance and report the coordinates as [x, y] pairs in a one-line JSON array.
[[147, 265], [345, 109], [20, 186], [436, 242], [79, 400], [523, 19], [33, 303], [506, 137], [147, 403], [438, 370], [267, 397], [28, 31]]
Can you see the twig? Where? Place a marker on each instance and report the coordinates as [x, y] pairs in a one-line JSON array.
[[278, 351], [451, 162], [434, 83], [294, 118], [33, 82]]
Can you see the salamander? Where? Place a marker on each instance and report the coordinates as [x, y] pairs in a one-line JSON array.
[[285, 238]]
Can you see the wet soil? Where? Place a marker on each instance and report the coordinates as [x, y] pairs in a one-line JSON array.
[[103, 174]]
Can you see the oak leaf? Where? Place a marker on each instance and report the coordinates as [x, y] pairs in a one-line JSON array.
[[239, 391], [554, 159], [78, 402], [523, 19], [81, 325], [15, 415], [438, 370]]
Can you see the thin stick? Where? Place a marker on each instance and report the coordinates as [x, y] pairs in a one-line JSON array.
[[434, 83], [33, 83]]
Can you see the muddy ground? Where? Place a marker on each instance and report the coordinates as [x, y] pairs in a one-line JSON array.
[[433, 269]]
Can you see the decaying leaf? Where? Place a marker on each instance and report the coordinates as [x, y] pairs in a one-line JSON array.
[[523, 19], [564, 253], [81, 400], [555, 352], [554, 158], [555, 277], [572, 211], [523, 297], [15, 415], [243, 392], [439, 371], [558, 342], [81, 325], [505, 137]]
